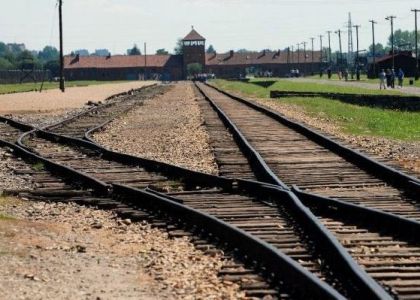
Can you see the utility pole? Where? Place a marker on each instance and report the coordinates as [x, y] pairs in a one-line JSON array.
[[60, 16], [329, 47], [312, 60], [391, 19], [341, 49], [357, 52], [320, 45], [293, 59], [298, 53], [304, 57], [145, 62], [417, 74], [373, 47], [350, 53]]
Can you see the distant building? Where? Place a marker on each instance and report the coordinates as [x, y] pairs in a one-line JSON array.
[[405, 60], [101, 52], [81, 52], [174, 67]]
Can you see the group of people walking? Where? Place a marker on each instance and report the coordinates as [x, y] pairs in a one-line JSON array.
[[387, 79]]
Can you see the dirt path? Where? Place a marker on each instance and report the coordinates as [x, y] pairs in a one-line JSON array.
[[55, 100]]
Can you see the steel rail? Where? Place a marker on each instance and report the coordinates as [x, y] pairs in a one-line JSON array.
[[271, 261], [386, 173], [258, 165], [407, 228]]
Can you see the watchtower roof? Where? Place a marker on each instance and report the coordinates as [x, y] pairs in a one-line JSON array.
[[194, 36]]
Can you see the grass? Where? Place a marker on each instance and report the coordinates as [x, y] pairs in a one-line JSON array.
[[39, 166], [252, 88], [353, 119], [5, 218], [360, 120], [27, 87], [3, 201]]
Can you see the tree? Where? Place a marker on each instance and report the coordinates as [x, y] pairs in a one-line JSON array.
[[48, 53], [379, 49], [403, 40], [25, 60], [179, 47], [134, 51], [53, 66], [211, 49], [194, 69], [5, 64], [162, 52], [16, 48], [3, 49]]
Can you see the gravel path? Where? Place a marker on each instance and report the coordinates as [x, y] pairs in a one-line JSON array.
[[410, 90], [66, 251], [169, 128], [55, 100]]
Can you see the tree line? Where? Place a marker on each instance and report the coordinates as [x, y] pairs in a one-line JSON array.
[[15, 57]]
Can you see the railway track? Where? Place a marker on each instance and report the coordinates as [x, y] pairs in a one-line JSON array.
[[115, 106], [251, 282], [270, 223], [282, 222], [51, 188], [298, 160], [392, 259]]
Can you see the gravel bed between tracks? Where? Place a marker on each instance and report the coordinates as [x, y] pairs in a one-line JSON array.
[[404, 154], [169, 128], [8, 179], [67, 251]]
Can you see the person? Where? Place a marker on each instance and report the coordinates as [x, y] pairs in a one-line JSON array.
[[400, 76], [321, 73], [346, 75], [388, 78], [329, 72], [340, 75], [382, 77], [393, 78]]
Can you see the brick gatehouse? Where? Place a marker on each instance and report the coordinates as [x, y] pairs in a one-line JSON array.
[[174, 67]]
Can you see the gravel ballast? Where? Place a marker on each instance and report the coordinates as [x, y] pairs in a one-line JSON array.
[[9, 180], [168, 128], [66, 251]]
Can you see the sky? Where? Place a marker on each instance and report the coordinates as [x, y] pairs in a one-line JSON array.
[[226, 24]]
